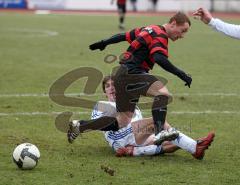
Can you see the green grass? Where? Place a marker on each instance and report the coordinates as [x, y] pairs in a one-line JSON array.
[[31, 62]]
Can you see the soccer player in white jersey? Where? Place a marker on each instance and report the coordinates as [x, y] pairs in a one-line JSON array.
[[231, 30], [138, 137], [132, 139]]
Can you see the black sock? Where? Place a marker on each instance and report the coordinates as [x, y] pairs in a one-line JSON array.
[[104, 123], [113, 126], [121, 19], [159, 112]]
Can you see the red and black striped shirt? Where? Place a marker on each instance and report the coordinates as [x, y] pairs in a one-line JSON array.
[[144, 42]]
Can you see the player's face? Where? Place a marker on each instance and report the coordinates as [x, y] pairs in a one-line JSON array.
[[178, 31], [110, 90]]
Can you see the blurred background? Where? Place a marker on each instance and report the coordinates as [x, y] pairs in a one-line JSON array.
[[132, 5]]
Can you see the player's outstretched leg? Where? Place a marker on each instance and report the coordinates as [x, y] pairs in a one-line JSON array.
[[202, 145], [73, 131], [104, 123]]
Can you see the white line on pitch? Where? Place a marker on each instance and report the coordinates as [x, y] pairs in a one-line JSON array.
[[37, 113], [101, 94], [88, 112], [205, 112], [28, 32], [46, 95]]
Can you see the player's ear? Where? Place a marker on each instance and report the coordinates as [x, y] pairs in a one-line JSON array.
[[173, 23]]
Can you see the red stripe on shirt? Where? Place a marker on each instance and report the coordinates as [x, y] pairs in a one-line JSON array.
[[128, 38], [159, 49]]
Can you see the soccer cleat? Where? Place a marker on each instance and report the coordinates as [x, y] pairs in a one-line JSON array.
[[125, 151], [166, 135], [73, 130], [202, 145]]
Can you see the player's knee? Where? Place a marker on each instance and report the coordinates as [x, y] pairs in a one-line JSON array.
[[124, 118], [160, 101]]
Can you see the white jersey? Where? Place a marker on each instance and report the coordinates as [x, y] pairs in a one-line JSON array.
[[231, 30], [107, 108], [123, 136]]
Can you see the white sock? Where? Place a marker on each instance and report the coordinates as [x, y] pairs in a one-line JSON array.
[[186, 143], [147, 150]]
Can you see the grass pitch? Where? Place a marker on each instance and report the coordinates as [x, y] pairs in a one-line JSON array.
[[36, 50]]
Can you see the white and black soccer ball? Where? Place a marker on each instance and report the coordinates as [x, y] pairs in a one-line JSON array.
[[26, 156]]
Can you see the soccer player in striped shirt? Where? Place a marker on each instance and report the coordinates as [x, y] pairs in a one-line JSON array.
[[148, 45]]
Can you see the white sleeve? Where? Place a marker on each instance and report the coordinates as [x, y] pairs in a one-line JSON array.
[[231, 30], [137, 115], [104, 108], [96, 113]]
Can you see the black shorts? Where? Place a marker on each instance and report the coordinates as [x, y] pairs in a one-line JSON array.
[[129, 87], [121, 8]]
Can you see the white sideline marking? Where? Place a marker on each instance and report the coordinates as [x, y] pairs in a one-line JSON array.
[[205, 112], [102, 94], [45, 95], [28, 32], [37, 113], [207, 94], [88, 112]]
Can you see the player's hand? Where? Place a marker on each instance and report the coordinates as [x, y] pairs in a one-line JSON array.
[[98, 45], [187, 79], [203, 14]]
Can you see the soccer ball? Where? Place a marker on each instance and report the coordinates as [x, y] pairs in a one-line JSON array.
[[26, 156]]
